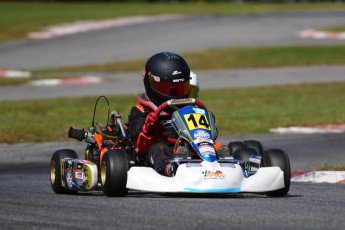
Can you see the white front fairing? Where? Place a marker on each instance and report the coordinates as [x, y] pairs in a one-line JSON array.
[[206, 177]]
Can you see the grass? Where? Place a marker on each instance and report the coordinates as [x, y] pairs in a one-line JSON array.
[[245, 111], [18, 19], [335, 29], [328, 167]]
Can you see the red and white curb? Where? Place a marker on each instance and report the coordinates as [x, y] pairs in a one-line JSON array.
[[84, 80], [321, 34], [4, 73], [330, 128], [84, 26], [334, 177]]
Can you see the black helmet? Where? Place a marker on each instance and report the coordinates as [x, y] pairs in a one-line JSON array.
[[166, 76]]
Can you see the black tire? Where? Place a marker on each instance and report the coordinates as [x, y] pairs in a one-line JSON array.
[[244, 153], [55, 170], [277, 157], [114, 168], [234, 145], [255, 145]]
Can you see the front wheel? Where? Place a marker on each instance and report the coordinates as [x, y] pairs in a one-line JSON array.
[[114, 168], [55, 170], [277, 157]]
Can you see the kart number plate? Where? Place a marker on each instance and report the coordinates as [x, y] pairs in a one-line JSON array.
[[196, 121]]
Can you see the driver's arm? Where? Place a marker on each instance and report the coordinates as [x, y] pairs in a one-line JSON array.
[[141, 141]]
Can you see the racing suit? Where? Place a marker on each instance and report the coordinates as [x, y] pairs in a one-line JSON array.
[[151, 149]]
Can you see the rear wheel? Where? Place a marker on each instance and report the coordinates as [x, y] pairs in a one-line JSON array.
[[255, 145], [55, 170], [278, 158], [244, 153], [114, 169], [234, 145]]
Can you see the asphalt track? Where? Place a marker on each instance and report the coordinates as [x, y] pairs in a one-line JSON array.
[[179, 34], [27, 201], [131, 83]]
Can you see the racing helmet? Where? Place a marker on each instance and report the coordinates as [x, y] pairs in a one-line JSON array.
[[166, 76], [194, 85]]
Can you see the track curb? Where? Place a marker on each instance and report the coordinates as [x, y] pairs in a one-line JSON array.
[[315, 34], [328, 128], [334, 177], [6, 73]]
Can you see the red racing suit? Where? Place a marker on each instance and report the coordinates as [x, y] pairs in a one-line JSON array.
[[151, 149]]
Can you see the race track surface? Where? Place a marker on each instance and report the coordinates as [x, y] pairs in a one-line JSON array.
[[131, 83], [27, 201]]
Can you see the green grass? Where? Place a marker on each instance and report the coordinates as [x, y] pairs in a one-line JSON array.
[[328, 167], [334, 29], [244, 111], [18, 19]]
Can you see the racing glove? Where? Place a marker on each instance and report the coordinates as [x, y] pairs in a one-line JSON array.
[[150, 124]]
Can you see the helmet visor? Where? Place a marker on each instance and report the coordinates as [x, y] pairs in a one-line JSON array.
[[172, 89], [194, 91]]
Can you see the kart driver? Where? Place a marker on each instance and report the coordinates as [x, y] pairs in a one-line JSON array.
[[166, 76]]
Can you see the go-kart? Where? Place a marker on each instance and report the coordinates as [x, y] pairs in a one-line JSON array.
[[112, 167]]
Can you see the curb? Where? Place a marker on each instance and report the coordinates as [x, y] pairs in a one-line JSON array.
[[83, 80], [84, 26], [4, 73], [329, 128], [321, 34], [334, 177]]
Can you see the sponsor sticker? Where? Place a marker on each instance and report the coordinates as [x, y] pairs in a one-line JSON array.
[[206, 149], [79, 175], [69, 180], [201, 134], [213, 175], [68, 166], [203, 141], [79, 166]]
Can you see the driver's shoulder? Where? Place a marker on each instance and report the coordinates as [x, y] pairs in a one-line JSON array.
[[139, 110], [145, 103]]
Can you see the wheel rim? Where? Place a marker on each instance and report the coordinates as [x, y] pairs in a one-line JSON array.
[[103, 173], [52, 172]]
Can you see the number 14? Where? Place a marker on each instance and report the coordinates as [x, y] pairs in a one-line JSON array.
[[196, 121]]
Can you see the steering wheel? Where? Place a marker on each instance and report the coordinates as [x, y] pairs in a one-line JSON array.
[[174, 104]]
